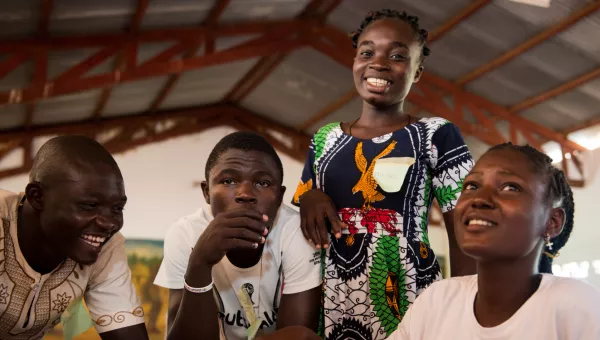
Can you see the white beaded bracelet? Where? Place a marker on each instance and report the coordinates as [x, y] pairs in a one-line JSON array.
[[198, 290]]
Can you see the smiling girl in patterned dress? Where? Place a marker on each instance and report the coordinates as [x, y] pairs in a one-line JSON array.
[[370, 184]]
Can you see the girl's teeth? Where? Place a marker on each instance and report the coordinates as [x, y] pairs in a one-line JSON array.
[[480, 222], [377, 82]]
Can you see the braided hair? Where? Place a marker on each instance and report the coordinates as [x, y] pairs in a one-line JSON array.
[[413, 21], [558, 192]]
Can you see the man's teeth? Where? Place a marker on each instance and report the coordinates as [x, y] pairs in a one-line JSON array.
[[378, 82], [480, 222], [94, 241]]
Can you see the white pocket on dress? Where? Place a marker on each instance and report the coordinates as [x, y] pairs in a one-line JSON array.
[[390, 172]]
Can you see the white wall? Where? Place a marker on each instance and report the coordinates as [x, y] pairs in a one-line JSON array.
[[581, 256]]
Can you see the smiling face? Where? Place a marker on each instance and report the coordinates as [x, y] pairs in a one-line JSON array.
[[83, 209], [387, 63], [503, 212], [244, 179]]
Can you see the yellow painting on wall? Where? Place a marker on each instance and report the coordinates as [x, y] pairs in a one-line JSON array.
[[144, 258]]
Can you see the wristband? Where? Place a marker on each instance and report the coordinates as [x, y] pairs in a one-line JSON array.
[[198, 290]]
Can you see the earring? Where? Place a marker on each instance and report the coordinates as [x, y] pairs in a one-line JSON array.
[[548, 242]]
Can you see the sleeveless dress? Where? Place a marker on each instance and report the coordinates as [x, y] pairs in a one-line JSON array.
[[383, 261]]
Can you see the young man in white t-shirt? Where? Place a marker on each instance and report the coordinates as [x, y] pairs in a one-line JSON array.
[[246, 244]]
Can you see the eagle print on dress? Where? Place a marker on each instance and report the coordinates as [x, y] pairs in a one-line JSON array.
[[383, 261]]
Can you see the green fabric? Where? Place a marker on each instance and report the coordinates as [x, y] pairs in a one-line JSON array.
[[75, 320]]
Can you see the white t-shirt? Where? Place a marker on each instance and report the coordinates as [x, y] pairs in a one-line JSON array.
[[31, 303], [286, 255], [560, 309]]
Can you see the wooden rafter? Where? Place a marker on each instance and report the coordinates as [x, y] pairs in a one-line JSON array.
[[431, 92], [316, 9], [38, 81], [435, 35], [72, 80], [529, 44], [189, 34], [186, 122], [120, 60], [211, 20], [44, 19], [10, 63], [8, 146]]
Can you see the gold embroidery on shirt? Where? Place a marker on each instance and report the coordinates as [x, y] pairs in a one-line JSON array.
[[23, 284], [3, 294], [119, 317], [61, 302]]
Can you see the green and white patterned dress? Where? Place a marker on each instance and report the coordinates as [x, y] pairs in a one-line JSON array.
[[379, 266]]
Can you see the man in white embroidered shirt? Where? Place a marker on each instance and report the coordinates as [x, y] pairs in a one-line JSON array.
[[250, 262], [59, 242]]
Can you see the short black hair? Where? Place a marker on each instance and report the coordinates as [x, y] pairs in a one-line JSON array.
[[413, 21], [61, 152], [559, 194], [245, 141]]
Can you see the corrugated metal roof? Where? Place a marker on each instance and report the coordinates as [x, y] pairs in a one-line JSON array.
[[307, 81], [18, 18], [206, 86], [169, 13], [304, 83], [133, 97], [255, 10], [75, 17], [541, 16], [68, 108]]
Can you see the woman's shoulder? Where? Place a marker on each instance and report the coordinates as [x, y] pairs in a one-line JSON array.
[[574, 303], [435, 124], [327, 128], [571, 289]]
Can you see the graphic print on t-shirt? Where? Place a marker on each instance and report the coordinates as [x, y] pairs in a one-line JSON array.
[[231, 311], [249, 288]]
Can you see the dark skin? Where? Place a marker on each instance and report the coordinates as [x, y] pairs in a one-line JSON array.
[[505, 192], [291, 333], [81, 198], [387, 49], [244, 191]]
